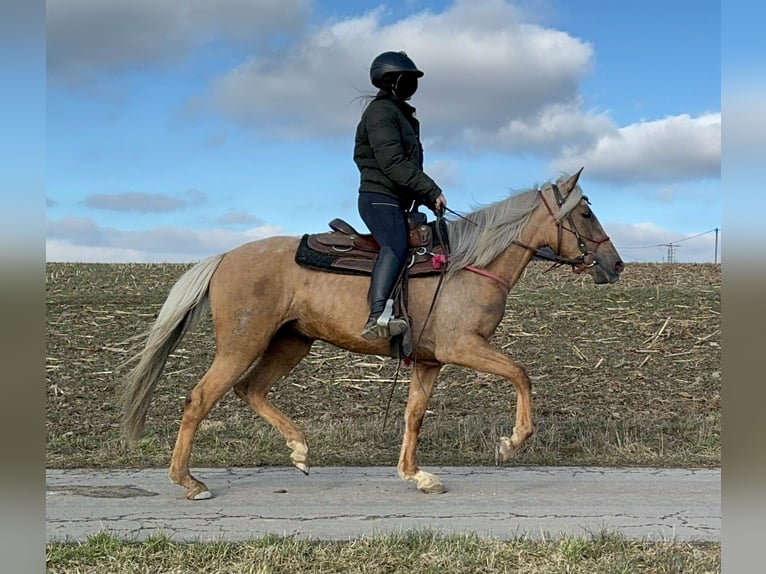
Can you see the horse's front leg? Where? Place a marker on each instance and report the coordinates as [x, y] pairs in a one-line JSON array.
[[421, 385], [474, 352]]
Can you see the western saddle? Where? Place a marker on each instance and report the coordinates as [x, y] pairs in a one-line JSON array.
[[345, 250]]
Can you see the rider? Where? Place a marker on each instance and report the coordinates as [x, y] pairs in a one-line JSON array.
[[389, 155]]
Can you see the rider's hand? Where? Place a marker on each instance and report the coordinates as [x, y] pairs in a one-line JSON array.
[[439, 205]]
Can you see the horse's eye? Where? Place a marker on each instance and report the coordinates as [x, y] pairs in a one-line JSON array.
[[587, 214]]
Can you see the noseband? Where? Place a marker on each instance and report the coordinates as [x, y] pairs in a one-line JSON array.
[[587, 258]]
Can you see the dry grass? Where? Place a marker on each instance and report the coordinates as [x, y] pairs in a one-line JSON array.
[[626, 374]]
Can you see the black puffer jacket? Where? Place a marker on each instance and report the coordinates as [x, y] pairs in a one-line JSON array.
[[389, 154]]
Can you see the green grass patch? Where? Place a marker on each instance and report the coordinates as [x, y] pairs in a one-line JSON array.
[[413, 551]]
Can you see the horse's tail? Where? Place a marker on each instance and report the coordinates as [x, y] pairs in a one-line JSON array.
[[183, 308]]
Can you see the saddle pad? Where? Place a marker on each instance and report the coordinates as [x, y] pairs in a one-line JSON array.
[[419, 260]]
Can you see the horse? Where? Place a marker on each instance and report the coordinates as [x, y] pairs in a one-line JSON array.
[[267, 312]]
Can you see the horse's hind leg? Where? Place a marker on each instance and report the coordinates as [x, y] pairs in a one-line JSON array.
[[220, 377], [284, 352], [421, 385]]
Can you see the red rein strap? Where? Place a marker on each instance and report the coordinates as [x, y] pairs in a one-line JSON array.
[[438, 261], [485, 273]]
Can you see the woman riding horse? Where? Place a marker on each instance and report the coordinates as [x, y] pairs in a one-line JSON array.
[[389, 155]]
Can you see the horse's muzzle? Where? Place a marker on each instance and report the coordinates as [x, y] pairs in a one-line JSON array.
[[607, 272]]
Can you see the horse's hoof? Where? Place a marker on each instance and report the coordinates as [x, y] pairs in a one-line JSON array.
[[433, 489], [199, 493], [300, 455], [504, 449], [428, 483]]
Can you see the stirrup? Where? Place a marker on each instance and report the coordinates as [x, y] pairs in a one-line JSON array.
[[397, 326], [386, 315], [390, 324], [375, 330]]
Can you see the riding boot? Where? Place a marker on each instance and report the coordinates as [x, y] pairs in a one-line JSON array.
[[382, 323]]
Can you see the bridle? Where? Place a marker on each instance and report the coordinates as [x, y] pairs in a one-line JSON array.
[[587, 258]]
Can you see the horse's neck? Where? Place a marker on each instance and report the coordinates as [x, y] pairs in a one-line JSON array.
[[510, 264]]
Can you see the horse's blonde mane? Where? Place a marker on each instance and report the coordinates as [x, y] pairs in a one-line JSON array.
[[492, 228]]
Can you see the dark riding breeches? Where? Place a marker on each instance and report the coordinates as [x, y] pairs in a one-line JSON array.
[[385, 219]]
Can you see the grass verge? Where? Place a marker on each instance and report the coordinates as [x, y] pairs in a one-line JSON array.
[[412, 551]]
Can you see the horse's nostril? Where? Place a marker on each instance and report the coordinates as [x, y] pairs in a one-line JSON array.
[[619, 266]]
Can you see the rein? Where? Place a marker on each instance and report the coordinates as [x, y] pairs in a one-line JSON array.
[[489, 275]]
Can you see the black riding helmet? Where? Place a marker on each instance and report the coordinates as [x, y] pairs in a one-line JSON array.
[[391, 63]]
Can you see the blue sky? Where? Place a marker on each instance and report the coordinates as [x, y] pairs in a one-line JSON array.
[[180, 129]]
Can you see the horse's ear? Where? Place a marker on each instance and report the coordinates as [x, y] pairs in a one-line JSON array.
[[570, 183]]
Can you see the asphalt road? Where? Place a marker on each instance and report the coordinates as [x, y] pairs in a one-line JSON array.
[[341, 503]]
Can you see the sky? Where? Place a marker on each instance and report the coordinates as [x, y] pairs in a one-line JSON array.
[[184, 128]]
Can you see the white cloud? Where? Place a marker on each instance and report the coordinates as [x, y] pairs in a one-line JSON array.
[[447, 173], [234, 217], [673, 148], [548, 130], [492, 82], [76, 229], [134, 201], [57, 250], [86, 37], [145, 202], [484, 68], [83, 240]]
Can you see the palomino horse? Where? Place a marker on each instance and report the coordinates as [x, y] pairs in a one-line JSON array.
[[267, 311]]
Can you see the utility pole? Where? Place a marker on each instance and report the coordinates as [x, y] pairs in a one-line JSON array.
[[671, 251]]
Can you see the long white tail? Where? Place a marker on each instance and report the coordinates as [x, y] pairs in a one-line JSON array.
[[182, 310]]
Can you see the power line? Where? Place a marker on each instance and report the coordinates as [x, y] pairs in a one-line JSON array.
[[671, 246], [714, 230], [698, 235]]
